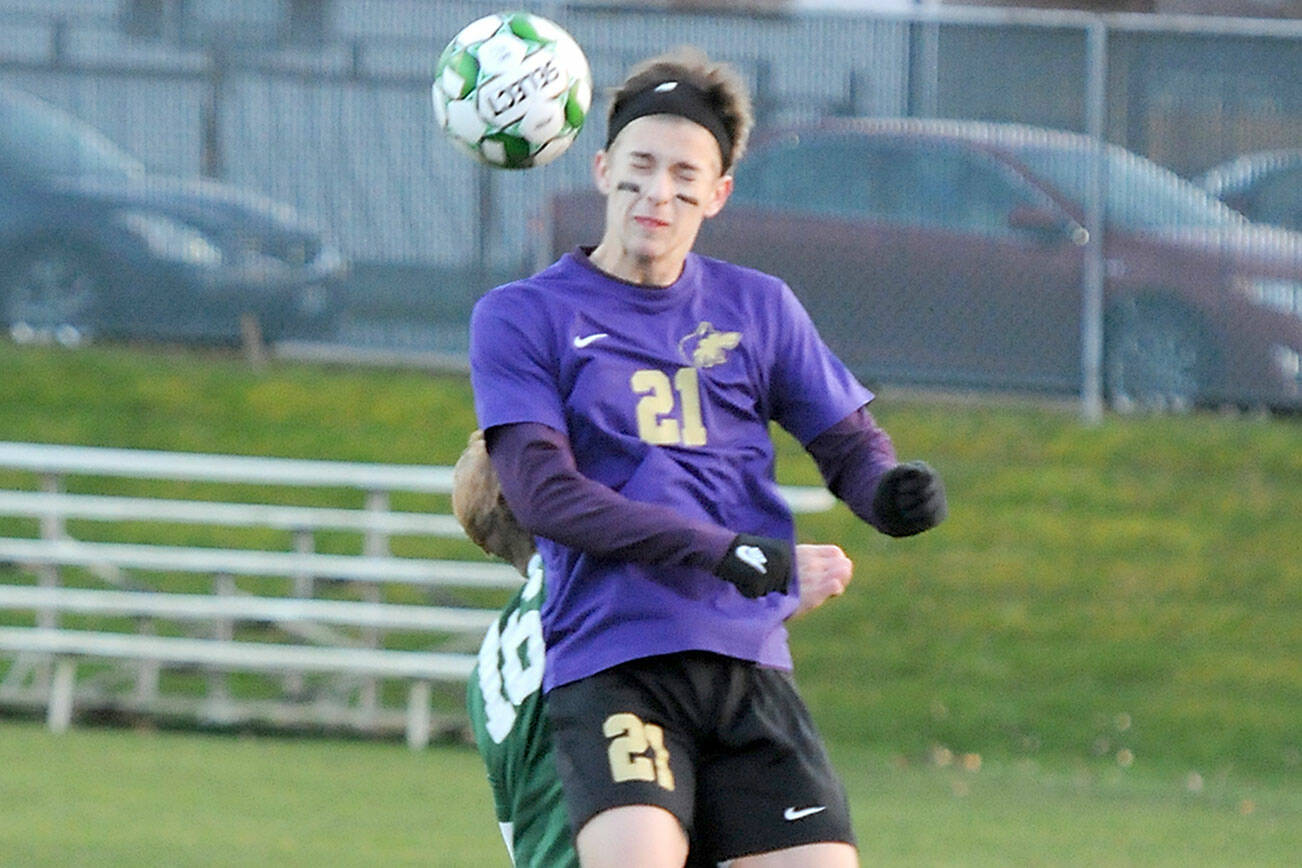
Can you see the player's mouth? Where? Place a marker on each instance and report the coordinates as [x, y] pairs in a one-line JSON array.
[[650, 222]]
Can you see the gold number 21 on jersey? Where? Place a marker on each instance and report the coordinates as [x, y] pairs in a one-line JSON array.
[[661, 399]]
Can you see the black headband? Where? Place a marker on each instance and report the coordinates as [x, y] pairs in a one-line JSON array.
[[672, 98]]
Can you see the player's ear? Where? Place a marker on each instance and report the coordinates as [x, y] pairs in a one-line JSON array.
[[601, 171], [722, 190]]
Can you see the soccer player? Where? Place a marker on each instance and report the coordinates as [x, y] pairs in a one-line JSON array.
[[625, 394], [504, 694]]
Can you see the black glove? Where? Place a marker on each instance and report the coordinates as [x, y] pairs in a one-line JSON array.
[[910, 498], [757, 565]]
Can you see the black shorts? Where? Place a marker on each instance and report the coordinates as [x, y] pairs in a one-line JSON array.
[[726, 746]]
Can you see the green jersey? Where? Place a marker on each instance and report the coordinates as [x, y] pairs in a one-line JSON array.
[[505, 702]]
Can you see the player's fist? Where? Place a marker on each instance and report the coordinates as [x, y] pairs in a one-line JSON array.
[[757, 565], [822, 571], [910, 498]]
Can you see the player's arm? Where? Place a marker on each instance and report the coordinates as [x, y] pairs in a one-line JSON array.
[[550, 498], [817, 398], [858, 463]]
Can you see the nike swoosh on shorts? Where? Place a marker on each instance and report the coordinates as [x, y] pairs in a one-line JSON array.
[[792, 814]]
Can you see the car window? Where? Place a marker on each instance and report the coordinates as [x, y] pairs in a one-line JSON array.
[[824, 176], [941, 184], [1278, 199], [1139, 194], [39, 140], [914, 183]]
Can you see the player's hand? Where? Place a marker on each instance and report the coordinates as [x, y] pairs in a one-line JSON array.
[[823, 572], [910, 498], [757, 565]]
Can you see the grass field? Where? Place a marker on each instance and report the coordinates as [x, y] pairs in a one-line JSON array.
[[1110, 616], [131, 798]]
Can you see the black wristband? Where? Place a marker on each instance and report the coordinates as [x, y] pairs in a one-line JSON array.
[[757, 565]]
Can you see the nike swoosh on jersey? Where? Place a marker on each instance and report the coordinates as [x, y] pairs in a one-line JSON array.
[[581, 342], [792, 814]]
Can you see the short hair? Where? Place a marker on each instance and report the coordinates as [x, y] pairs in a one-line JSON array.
[[722, 85], [479, 506]]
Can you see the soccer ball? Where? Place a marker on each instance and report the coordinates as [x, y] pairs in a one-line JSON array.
[[512, 89]]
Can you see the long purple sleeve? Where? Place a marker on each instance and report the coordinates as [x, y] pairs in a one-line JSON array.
[[552, 499], [852, 456]]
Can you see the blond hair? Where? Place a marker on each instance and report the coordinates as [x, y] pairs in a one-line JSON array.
[[479, 506]]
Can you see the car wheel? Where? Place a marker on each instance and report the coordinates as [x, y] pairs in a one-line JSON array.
[[1156, 357], [51, 293]]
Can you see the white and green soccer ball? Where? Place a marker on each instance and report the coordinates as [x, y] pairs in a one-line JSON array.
[[512, 89]]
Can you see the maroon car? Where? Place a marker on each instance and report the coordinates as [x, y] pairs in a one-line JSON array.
[[953, 253]]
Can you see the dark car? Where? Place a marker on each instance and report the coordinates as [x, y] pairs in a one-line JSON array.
[[1265, 186], [92, 244], [953, 253]]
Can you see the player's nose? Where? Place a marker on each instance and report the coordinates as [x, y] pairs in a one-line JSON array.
[[660, 188]]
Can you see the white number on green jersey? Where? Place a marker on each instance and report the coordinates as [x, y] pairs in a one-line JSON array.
[[511, 660]]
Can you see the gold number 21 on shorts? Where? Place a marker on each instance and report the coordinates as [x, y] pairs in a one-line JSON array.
[[631, 739]]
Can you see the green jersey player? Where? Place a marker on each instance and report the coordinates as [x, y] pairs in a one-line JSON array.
[[504, 697], [505, 703]]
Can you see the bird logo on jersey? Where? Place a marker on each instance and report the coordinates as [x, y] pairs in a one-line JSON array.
[[706, 346]]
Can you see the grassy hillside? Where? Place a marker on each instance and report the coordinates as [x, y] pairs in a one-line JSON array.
[[1122, 595], [1131, 592]]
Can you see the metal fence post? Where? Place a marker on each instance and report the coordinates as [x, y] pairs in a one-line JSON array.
[[52, 528], [58, 41], [1096, 70], [923, 68], [148, 671], [218, 707], [418, 715], [376, 545], [58, 714], [211, 158], [295, 684], [486, 234], [765, 98]]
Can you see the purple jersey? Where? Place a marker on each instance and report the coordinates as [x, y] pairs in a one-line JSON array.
[[665, 395]]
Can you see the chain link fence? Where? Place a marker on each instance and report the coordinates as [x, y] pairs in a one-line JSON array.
[[986, 252]]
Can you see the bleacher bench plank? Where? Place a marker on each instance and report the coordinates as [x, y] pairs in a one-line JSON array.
[[41, 504], [239, 562], [205, 467], [251, 656], [203, 607]]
